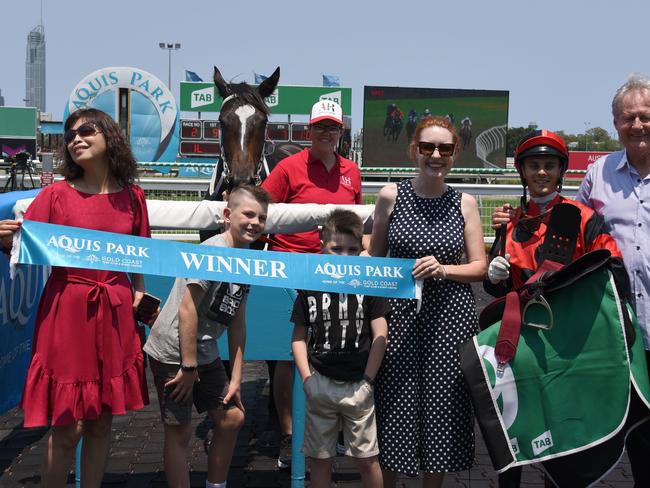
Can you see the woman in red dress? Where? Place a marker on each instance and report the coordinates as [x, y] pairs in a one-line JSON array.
[[87, 363]]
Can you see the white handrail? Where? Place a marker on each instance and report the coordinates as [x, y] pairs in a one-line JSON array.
[[489, 141]]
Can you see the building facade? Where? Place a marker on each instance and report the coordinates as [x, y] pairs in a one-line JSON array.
[[35, 69]]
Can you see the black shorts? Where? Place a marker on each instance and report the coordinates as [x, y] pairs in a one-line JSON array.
[[207, 394]]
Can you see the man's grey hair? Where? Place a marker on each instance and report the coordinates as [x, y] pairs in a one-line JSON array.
[[635, 81]]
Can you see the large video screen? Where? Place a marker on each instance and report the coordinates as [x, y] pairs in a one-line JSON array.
[[390, 115]]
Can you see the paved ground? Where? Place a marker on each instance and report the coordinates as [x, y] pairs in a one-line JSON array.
[[135, 457]]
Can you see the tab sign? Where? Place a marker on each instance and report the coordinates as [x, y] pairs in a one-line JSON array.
[[542, 442]]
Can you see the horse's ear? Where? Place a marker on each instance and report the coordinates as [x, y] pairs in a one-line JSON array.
[[267, 86], [222, 85]]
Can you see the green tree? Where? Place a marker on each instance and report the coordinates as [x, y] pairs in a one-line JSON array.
[[595, 139], [598, 134], [598, 139], [515, 134]]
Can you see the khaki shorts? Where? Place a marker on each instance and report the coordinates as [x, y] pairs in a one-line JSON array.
[[332, 405]]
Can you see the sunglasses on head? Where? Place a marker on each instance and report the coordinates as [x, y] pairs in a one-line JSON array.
[[84, 130], [445, 149]]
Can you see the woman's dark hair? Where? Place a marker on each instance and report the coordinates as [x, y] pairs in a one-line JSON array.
[[121, 162]]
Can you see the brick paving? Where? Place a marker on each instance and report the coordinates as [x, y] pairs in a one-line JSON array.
[[136, 450]]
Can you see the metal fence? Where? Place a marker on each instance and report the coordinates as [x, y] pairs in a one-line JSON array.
[[489, 196]]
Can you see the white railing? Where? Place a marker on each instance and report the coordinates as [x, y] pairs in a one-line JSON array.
[[488, 196], [489, 141], [200, 185]]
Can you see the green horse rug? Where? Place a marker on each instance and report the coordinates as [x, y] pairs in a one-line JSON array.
[[577, 381]]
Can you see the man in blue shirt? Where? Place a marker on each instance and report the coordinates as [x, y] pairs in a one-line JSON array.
[[617, 186]]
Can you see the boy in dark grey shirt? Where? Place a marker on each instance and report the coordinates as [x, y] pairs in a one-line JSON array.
[[184, 354]]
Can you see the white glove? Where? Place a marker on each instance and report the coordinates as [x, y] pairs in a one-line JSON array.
[[499, 269]]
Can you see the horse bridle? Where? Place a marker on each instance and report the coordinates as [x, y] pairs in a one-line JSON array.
[[226, 175]]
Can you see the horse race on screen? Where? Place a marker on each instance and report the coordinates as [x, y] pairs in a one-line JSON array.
[[391, 114]]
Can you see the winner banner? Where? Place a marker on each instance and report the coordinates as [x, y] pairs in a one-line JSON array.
[[59, 245]]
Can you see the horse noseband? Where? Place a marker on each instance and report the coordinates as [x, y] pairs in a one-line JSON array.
[[229, 181]]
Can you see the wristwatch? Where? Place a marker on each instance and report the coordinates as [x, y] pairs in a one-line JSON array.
[[188, 369], [368, 380]]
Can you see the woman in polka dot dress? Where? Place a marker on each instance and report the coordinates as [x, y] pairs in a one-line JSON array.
[[424, 414]]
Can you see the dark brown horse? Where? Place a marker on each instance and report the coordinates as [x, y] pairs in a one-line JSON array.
[[243, 119]]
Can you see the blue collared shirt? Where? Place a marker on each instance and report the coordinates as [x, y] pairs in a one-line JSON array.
[[614, 188]]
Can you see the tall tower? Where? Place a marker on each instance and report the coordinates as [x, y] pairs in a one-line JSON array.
[[2, 99], [35, 68]]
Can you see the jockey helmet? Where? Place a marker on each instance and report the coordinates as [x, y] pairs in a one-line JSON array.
[[541, 143]]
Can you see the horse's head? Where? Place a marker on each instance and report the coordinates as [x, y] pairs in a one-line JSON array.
[[243, 120]]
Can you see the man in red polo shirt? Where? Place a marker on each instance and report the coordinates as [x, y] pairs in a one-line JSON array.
[[314, 175]]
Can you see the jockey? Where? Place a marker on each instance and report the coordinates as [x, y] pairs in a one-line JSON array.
[[413, 116], [520, 249], [466, 122], [541, 159]]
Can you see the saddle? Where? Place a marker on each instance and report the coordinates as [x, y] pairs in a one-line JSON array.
[[555, 271]]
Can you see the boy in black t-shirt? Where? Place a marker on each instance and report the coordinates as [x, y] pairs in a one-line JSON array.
[[347, 341]]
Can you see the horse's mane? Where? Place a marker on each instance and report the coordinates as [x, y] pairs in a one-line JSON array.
[[250, 96]]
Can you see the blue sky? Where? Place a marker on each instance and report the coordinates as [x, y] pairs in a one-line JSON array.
[[561, 60]]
